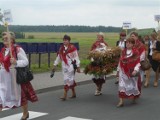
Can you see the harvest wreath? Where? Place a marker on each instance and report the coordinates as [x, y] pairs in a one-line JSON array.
[[103, 63]]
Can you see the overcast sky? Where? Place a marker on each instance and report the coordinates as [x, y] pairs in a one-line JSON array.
[[83, 12]]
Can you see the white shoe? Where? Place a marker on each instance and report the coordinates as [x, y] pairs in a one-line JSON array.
[[97, 93]]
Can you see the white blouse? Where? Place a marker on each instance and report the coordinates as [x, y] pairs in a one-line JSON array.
[[22, 58]]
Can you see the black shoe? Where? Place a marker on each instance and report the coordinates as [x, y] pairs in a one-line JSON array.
[[26, 117], [116, 82]]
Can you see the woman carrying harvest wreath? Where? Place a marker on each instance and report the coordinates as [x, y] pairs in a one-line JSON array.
[[102, 62]]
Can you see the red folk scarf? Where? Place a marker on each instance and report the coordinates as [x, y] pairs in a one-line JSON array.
[[5, 60], [63, 53], [128, 64], [140, 47], [97, 43]]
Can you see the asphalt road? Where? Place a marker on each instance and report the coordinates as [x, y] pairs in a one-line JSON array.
[[90, 107]]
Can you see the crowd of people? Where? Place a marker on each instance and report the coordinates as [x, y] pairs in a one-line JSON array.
[[130, 75]]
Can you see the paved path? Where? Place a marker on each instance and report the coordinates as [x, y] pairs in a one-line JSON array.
[[42, 82], [86, 106]]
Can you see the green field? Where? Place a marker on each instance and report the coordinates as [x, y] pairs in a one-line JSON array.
[[85, 41]]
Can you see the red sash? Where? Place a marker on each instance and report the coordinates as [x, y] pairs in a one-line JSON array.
[[97, 43], [63, 53], [140, 47]]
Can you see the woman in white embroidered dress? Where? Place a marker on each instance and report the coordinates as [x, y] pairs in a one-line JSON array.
[[12, 94], [128, 69], [68, 55]]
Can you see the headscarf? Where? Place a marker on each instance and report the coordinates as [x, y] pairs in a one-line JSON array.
[[128, 63]]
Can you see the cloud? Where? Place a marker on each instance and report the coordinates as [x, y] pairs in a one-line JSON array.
[[83, 12], [137, 3]]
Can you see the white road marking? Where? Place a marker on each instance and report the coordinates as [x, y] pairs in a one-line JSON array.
[[32, 115], [5, 109], [73, 118]]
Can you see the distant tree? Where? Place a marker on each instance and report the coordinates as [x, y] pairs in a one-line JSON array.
[[64, 28], [20, 35]]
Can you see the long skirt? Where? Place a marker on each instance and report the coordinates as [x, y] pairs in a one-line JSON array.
[[129, 87], [69, 77], [13, 95], [27, 94], [10, 91]]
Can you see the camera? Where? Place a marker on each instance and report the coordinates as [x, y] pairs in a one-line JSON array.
[[74, 64], [52, 73]]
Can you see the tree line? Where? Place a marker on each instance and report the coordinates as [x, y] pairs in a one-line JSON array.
[[63, 28], [18, 34]]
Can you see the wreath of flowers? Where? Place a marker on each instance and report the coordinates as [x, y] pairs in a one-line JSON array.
[[104, 62]]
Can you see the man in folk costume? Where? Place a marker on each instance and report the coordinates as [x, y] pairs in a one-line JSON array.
[[141, 49], [69, 56], [128, 69], [100, 45]]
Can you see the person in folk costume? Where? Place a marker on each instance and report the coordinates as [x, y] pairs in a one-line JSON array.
[[147, 40], [68, 54], [154, 44], [101, 46], [141, 49], [127, 72], [122, 44], [12, 94]]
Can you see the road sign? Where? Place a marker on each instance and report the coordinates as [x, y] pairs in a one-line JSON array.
[[126, 25], [157, 17], [8, 16]]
